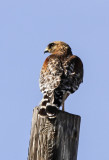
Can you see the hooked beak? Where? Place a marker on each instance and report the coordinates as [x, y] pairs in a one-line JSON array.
[[46, 50]]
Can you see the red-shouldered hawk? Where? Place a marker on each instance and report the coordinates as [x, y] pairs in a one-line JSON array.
[[61, 75]]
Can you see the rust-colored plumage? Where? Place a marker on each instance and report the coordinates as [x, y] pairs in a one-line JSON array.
[[61, 75]]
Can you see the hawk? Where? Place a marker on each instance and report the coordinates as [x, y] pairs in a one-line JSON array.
[[61, 75]]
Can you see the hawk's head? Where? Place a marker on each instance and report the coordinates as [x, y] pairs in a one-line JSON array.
[[58, 47]]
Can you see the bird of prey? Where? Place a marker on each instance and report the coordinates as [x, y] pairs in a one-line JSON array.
[[61, 75]]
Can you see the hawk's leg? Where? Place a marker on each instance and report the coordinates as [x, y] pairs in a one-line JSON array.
[[63, 107]]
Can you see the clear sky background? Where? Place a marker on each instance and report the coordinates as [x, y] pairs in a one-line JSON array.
[[26, 27]]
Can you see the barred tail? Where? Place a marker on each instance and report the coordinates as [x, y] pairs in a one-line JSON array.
[[48, 106]]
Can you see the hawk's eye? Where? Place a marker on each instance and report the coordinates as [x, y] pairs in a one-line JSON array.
[[51, 45]]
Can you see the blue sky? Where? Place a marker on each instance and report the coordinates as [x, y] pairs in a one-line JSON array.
[[26, 27]]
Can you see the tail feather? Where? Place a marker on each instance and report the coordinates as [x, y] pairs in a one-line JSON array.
[[51, 102]]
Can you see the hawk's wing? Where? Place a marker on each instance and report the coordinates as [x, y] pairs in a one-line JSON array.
[[50, 75], [74, 73]]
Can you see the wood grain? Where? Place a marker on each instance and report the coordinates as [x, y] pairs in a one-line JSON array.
[[54, 139]]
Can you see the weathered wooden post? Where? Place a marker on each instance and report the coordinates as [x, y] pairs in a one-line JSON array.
[[54, 139]]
